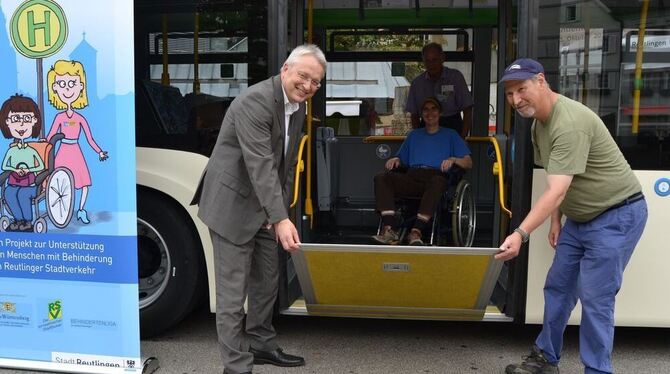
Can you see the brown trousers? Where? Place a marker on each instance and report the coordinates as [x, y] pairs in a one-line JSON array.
[[426, 184]]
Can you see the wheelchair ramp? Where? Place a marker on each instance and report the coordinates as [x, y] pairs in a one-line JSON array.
[[448, 283]]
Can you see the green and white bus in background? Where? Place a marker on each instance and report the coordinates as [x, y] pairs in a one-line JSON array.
[[192, 58]]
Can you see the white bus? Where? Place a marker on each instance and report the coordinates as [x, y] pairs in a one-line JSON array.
[[194, 57]]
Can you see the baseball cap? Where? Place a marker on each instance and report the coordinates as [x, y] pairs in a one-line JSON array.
[[521, 69], [431, 99]]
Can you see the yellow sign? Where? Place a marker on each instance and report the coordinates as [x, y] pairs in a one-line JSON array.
[[38, 28]]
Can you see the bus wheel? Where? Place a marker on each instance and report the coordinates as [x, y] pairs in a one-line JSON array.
[[170, 263]]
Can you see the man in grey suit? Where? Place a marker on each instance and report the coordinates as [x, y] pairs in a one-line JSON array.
[[243, 198]]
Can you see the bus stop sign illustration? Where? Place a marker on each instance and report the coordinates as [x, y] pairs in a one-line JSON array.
[[38, 28]]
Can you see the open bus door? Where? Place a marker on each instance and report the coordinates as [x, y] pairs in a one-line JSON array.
[[338, 272]]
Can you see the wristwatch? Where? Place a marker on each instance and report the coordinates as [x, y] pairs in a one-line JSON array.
[[524, 235]]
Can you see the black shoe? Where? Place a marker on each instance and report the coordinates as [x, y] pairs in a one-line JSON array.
[[534, 363], [227, 372], [26, 226], [14, 226], [276, 357]]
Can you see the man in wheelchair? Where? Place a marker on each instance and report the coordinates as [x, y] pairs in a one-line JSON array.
[[430, 155]]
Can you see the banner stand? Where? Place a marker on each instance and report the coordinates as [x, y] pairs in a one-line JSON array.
[[149, 365], [69, 294]]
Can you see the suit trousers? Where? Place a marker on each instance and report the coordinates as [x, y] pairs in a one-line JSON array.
[[588, 265], [248, 271]]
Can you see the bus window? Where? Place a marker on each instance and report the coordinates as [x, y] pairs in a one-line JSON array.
[[585, 62], [192, 61], [595, 53], [368, 96]]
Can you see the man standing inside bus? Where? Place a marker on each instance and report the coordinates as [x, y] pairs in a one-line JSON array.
[[447, 85], [590, 182], [244, 198]]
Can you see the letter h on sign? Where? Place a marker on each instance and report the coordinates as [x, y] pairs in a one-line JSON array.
[[33, 27]]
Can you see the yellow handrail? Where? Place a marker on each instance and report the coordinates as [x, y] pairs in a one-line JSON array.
[[309, 208], [497, 168], [300, 167], [638, 67]]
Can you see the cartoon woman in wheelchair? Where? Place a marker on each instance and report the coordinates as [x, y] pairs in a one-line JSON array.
[[21, 120], [67, 90], [28, 175]]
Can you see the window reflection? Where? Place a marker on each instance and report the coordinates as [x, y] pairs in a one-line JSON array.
[[589, 49]]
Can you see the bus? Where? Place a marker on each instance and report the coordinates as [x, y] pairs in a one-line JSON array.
[[192, 58]]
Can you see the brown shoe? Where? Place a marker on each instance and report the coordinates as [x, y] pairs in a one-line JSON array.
[[387, 236], [414, 237]]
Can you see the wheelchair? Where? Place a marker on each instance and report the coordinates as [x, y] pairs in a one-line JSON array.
[[454, 217], [55, 186]]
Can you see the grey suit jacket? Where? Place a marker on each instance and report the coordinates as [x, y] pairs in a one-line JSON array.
[[248, 181]]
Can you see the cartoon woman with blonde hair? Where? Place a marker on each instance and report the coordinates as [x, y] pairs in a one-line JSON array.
[[66, 81]]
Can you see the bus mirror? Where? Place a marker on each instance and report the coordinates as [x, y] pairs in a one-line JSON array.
[[227, 71], [398, 69]]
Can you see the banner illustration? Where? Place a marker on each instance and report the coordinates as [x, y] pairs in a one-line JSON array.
[[68, 246]]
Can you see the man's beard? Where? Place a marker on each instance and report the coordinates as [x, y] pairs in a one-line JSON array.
[[528, 112]]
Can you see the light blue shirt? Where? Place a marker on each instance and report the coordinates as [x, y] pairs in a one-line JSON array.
[[450, 90]]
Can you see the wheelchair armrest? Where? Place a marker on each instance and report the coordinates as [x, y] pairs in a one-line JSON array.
[[39, 178], [4, 176], [455, 174]]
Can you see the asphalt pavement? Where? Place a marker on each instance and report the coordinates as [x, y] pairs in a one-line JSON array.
[[358, 346]]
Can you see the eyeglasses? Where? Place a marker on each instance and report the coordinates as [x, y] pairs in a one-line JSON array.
[[303, 77], [63, 84], [21, 118]]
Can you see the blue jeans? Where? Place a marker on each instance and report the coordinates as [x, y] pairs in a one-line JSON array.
[[588, 265], [20, 201]]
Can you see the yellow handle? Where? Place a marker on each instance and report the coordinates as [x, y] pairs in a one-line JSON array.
[[300, 167], [497, 168]]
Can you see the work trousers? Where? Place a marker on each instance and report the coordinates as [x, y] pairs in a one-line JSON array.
[[427, 184], [245, 271], [588, 265]]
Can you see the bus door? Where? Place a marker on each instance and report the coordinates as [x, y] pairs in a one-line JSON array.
[[614, 58], [362, 124]]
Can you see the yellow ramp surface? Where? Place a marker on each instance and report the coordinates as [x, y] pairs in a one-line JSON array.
[[403, 282]]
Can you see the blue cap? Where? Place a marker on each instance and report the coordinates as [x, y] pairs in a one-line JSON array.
[[521, 69]]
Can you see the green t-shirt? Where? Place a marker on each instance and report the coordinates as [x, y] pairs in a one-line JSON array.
[[574, 141], [22, 153]]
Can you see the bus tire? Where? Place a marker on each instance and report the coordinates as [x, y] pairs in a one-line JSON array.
[[172, 274]]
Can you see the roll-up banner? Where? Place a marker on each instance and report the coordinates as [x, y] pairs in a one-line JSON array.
[[68, 249]]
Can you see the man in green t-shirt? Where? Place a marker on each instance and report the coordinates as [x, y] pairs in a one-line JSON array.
[[590, 182]]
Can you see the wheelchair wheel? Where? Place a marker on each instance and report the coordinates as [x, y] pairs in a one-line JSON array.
[[4, 223], [60, 197], [40, 226], [464, 215]]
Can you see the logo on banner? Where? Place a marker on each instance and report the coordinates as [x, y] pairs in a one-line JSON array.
[[38, 28], [55, 310], [7, 307]]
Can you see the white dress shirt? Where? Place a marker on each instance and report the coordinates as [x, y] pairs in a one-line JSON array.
[[289, 109]]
